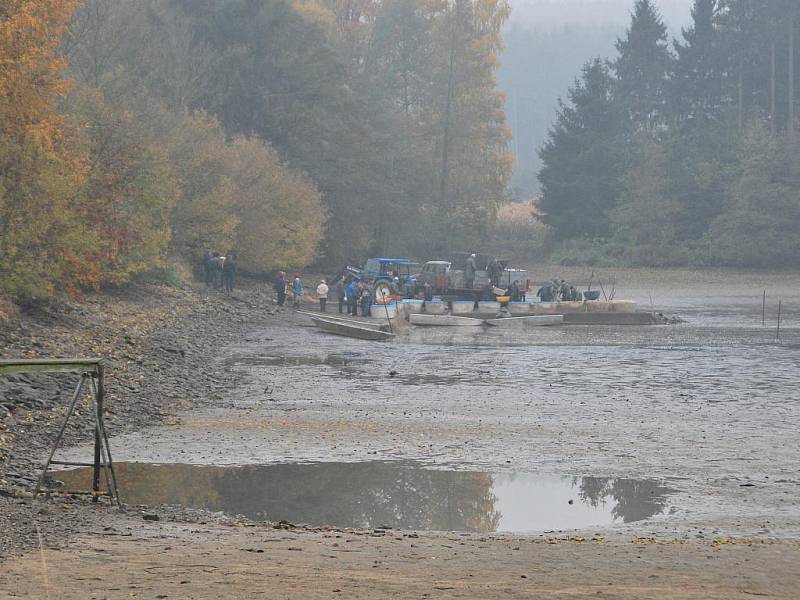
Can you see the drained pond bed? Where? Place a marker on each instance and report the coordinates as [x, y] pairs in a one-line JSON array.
[[389, 494]]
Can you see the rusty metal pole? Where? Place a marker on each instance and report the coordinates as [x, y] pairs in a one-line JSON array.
[[108, 465], [97, 433], [75, 397]]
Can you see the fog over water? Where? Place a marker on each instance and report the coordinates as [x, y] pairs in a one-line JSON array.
[[546, 44]]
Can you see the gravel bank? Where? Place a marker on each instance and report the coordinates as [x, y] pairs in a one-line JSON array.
[[156, 342]]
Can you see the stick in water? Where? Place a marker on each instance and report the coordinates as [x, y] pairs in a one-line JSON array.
[[778, 331]]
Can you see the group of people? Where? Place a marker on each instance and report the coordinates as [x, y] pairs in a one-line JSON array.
[[282, 285], [355, 294], [558, 290], [219, 271]]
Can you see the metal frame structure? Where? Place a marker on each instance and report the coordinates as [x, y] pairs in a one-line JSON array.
[[91, 371]]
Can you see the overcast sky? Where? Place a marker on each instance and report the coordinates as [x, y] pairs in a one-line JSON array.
[[548, 14]]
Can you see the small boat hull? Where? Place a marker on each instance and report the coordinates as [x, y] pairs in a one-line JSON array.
[[444, 321], [378, 324], [351, 329], [530, 321]]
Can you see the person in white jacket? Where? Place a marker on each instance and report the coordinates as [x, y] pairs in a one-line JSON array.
[[322, 294]]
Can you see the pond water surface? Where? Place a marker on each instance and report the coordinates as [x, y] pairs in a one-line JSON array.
[[396, 495]]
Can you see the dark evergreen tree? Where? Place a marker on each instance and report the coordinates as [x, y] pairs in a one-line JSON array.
[[582, 162], [646, 219], [642, 68], [762, 217], [696, 84], [755, 40]]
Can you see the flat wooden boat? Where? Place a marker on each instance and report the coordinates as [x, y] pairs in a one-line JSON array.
[[537, 321], [443, 321], [379, 324], [353, 329]]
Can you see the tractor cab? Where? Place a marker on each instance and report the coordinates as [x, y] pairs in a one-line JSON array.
[[381, 272]]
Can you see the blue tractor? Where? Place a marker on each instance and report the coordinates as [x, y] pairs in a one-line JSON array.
[[382, 272]]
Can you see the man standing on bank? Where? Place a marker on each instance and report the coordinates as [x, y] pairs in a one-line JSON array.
[[341, 295], [322, 294], [469, 271], [280, 288], [297, 290]]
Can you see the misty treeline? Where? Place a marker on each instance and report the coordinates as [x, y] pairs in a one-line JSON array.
[[682, 151], [132, 133], [536, 67]]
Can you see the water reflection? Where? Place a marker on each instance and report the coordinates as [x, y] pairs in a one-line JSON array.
[[395, 494]]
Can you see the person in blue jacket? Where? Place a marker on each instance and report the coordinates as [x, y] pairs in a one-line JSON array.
[[352, 297], [297, 290]]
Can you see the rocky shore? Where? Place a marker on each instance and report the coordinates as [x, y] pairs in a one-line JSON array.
[[157, 343]]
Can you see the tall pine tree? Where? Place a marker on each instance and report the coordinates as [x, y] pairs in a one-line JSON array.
[[582, 162], [760, 225], [642, 68], [696, 85]]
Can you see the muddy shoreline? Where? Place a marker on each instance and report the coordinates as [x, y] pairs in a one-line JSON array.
[[231, 383], [158, 344]]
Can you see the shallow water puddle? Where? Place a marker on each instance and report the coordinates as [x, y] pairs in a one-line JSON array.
[[398, 495]]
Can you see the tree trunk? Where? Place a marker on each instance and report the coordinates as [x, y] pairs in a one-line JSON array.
[[790, 128], [447, 111]]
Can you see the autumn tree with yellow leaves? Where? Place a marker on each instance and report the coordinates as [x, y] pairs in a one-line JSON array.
[[42, 163], [287, 132]]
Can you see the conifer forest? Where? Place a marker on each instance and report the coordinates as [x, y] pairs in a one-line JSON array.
[[320, 132]]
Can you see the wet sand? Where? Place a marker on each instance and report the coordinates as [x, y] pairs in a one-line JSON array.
[[202, 562]]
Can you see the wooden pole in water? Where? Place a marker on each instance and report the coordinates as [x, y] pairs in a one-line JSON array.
[[778, 331], [98, 459], [764, 309]]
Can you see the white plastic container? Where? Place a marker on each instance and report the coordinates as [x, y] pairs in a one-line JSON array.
[[463, 307], [435, 307], [412, 306], [519, 309]]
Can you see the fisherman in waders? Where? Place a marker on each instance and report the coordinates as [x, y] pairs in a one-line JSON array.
[[228, 272], [341, 295], [545, 292], [280, 288], [495, 270], [515, 291], [366, 300], [207, 272], [563, 292], [322, 294], [469, 271], [428, 291], [216, 270], [352, 298]]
